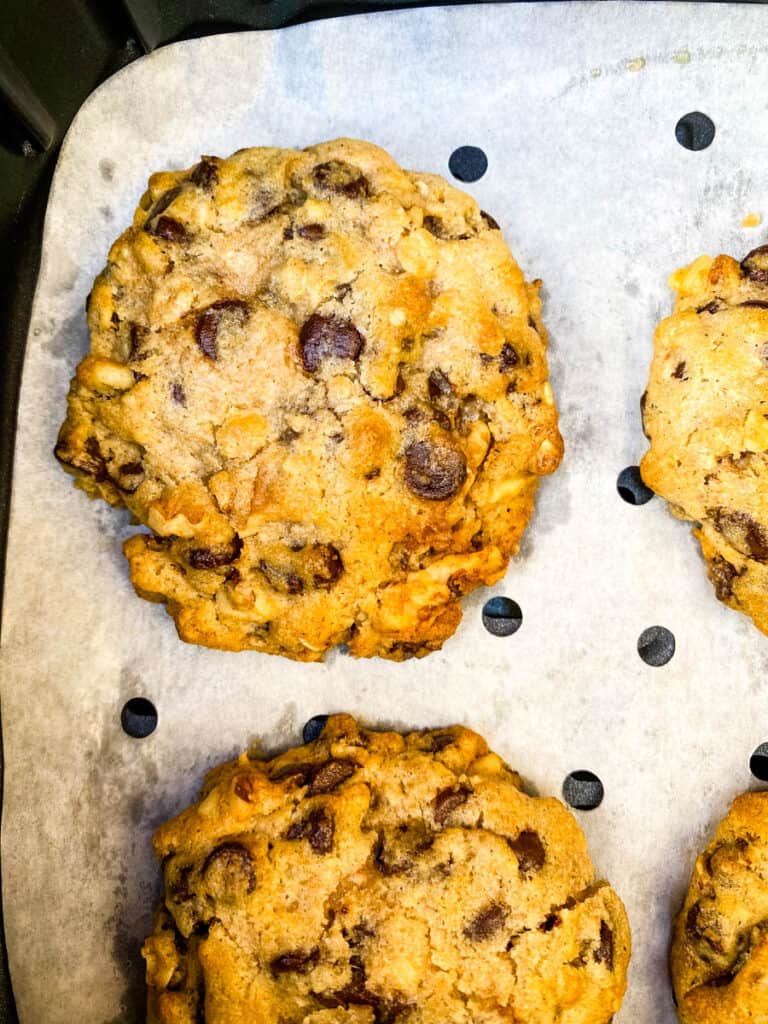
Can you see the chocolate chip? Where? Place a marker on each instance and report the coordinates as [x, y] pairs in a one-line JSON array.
[[209, 321], [288, 435], [328, 776], [442, 419], [243, 790], [604, 952], [320, 831], [325, 565], [487, 922], [508, 358], [235, 861], [218, 555], [159, 206], [489, 220], [439, 384], [178, 394], [710, 307], [434, 226], [755, 303], [298, 961], [169, 229], [397, 849], [529, 851], [205, 174], [448, 800], [679, 371], [287, 233], [328, 337], [373, 473], [312, 232], [440, 740], [755, 264], [340, 177], [136, 335], [129, 476], [722, 574], [88, 461], [434, 471], [550, 921], [744, 532]]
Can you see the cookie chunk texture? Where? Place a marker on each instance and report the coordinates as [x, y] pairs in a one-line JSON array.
[[320, 381], [705, 413], [720, 946], [376, 878]]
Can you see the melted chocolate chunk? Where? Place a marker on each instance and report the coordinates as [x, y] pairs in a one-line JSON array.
[[439, 384], [434, 471], [508, 358], [487, 923], [206, 174], [325, 565], [603, 954], [169, 229], [328, 776], [529, 850], [755, 303], [743, 532], [328, 337], [159, 206], [89, 461], [679, 371], [214, 557], [755, 264], [490, 221], [448, 800], [722, 574], [710, 307], [342, 178], [235, 862], [298, 961], [312, 232], [320, 829], [209, 321]]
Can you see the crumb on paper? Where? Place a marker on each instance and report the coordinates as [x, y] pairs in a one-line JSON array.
[[752, 220], [636, 64], [596, 72], [681, 57]]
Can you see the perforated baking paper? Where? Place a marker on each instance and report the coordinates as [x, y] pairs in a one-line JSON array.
[[575, 106]]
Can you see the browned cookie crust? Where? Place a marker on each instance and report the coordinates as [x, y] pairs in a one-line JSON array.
[[706, 415], [720, 946], [380, 879], [321, 382]]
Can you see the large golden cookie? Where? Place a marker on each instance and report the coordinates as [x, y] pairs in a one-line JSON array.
[[720, 946], [706, 415], [371, 878], [321, 382]]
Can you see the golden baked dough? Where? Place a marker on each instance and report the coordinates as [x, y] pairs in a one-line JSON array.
[[321, 382], [372, 878], [720, 946], [706, 415]]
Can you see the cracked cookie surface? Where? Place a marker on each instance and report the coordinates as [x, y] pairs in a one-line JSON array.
[[705, 413], [720, 946], [321, 382], [374, 878]]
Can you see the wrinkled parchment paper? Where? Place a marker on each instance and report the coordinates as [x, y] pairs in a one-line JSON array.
[[575, 106]]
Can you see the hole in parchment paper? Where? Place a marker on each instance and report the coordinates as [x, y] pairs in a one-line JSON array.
[[583, 790], [758, 763], [656, 646], [695, 130], [139, 717], [314, 728], [468, 163], [502, 616], [630, 486]]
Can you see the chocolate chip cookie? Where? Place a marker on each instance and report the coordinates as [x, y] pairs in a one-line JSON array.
[[374, 878], [706, 415], [320, 381], [720, 946]]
